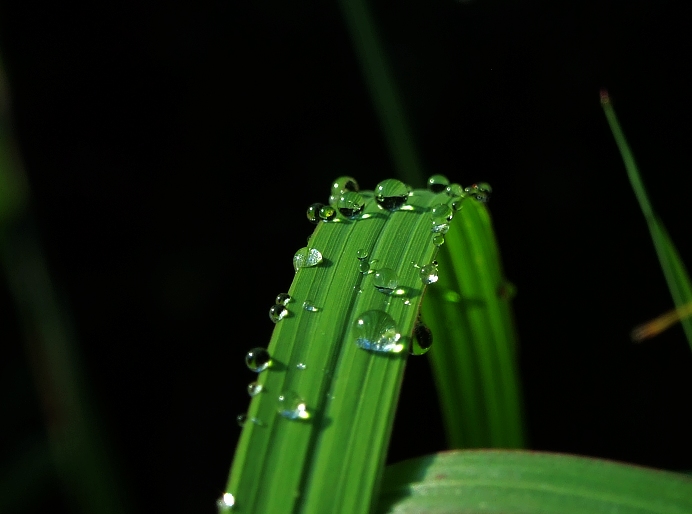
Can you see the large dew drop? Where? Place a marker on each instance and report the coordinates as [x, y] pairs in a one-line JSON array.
[[386, 280], [306, 258], [277, 312], [351, 205], [429, 274], [258, 359], [438, 183], [344, 184], [377, 331], [441, 215], [391, 194], [225, 503], [292, 406], [283, 298]]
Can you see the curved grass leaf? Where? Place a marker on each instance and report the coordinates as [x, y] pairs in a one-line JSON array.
[[473, 359], [674, 270], [518, 482], [332, 461]]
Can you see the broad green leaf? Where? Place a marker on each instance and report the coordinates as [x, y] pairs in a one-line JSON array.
[[674, 270], [474, 355], [519, 482], [332, 460]]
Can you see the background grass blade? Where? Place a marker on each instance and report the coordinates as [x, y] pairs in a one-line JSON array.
[[332, 461], [674, 270], [520, 482], [474, 356]]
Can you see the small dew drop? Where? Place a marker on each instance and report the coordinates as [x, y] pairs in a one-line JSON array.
[[327, 213], [277, 312], [386, 280], [254, 388], [441, 215], [362, 254], [351, 204], [292, 406], [309, 306], [422, 339], [225, 503], [258, 359], [283, 298], [241, 419], [438, 183], [306, 258], [438, 240], [391, 194], [313, 213], [480, 191], [364, 267], [301, 366], [429, 274], [377, 331], [455, 190], [344, 184]]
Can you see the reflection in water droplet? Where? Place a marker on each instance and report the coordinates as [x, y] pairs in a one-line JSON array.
[[254, 388], [313, 213], [258, 359], [377, 331], [225, 503], [327, 213], [241, 419], [292, 406], [362, 254], [309, 306], [301, 366], [277, 312], [283, 298], [306, 258], [343, 184], [457, 202], [441, 215], [386, 280], [455, 190], [391, 194], [438, 240], [351, 205], [438, 183], [422, 339], [429, 273]]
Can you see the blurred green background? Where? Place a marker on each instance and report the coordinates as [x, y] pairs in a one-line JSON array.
[[172, 150]]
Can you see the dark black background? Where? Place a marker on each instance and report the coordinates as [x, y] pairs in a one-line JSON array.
[[172, 151]]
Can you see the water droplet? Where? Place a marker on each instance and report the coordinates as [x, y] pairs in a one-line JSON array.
[[277, 312], [441, 215], [438, 183], [364, 267], [377, 331], [343, 184], [309, 306], [351, 205], [258, 359], [455, 190], [313, 213], [362, 254], [241, 419], [438, 240], [225, 503], [480, 191], [254, 388], [429, 273], [422, 339], [301, 366], [306, 258], [283, 298], [386, 280], [292, 406], [391, 194], [457, 202], [327, 213]]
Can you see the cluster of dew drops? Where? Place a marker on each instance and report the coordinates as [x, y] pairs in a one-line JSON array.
[[375, 330]]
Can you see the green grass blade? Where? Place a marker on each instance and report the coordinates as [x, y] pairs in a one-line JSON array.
[[474, 356], [517, 482], [332, 461], [674, 270]]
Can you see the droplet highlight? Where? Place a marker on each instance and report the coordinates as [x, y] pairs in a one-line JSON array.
[[429, 273], [241, 419], [306, 258], [283, 298], [362, 254], [327, 213], [309, 306], [258, 359], [351, 205], [437, 183], [301, 366], [422, 339], [391, 194], [377, 331], [313, 213], [386, 280], [292, 406], [277, 312], [441, 215], [225, 503], [254, 388]]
